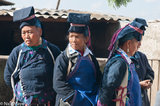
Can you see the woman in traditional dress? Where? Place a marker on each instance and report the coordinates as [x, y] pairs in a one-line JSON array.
[[120, 83], [29, 68], [76, 74]]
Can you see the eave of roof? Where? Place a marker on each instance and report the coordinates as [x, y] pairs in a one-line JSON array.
[[61, 15], [5, 3]]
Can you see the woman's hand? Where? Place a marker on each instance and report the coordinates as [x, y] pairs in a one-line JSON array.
[[146, 84]]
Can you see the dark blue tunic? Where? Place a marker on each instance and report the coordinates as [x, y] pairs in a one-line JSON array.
[[144, 72], [113, 75], [36, 71]]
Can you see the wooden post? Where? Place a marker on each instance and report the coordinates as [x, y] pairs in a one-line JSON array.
[[154, 87], [58, 4], [149, 90], [159, 75]]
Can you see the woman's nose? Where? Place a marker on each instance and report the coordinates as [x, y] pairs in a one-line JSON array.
[[26, 35], [74, 39]]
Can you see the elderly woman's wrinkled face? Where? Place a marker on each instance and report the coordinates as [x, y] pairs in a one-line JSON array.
[[133, 46], [31, 35], [77, 41]]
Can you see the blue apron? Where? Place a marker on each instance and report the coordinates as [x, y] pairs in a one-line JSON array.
[[83, 81], [134, 88]]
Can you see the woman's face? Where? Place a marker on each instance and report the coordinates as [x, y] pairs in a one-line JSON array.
[[77, 41], [31, 35], [133, 46], [140, 42]]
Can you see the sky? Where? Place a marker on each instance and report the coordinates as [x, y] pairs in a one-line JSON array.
[[147, 9]]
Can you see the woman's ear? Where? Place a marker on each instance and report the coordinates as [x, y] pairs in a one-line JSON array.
[[39, 31], [86, 39], [128, 43]]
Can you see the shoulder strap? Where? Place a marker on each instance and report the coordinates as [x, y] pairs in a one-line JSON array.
[[69, 67], [18, 59], [89, 55], [68, 61], [51, 54], [12, 81]]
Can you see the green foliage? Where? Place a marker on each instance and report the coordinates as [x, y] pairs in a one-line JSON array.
[[118, 3]]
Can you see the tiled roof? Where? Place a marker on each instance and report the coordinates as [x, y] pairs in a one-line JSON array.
[[63, 14]]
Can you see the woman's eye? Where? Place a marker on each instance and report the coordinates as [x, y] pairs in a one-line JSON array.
[[23, 33], [29, 32]]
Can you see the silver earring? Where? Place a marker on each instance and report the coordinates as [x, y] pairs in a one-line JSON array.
[[127, 50]]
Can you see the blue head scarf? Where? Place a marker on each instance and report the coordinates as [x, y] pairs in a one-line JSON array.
[[130, 31], [79, 23], [27, 17]]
